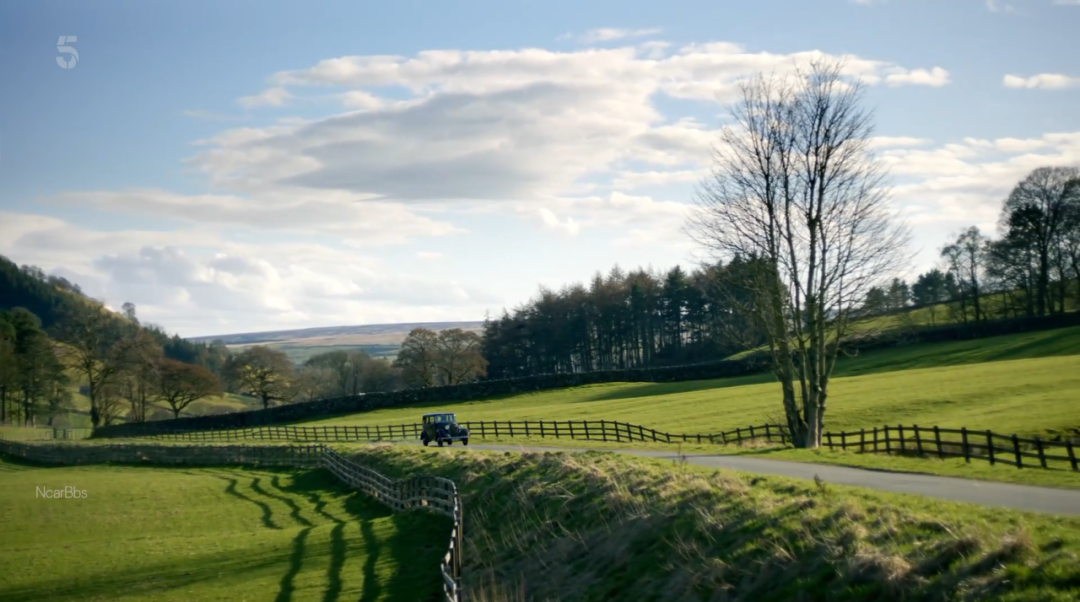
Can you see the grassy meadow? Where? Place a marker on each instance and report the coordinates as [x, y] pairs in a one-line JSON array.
[[208, 534], [1026, 383]]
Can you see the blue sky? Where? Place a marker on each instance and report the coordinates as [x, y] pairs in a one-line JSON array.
[[238, 166]]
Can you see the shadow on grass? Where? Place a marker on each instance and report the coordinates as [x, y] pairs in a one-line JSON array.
[[13, 464], [296, 561], [267, 514]]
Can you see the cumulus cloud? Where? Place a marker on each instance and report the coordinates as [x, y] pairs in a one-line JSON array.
[[274, 97], [344, 215], [962, 183], [935, 77], [197, 282], [1044, 81]]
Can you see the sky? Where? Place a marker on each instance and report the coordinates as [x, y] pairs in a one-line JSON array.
[[244, 166]]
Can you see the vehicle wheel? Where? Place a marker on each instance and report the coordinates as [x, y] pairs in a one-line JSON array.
[[424, 439], [440, 442], [465, 441], [449, 441]]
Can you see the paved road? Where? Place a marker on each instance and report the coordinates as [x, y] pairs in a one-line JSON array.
[[986, 493]]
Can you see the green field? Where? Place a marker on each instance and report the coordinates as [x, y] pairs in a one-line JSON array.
[[208, 534], [1026, 383]]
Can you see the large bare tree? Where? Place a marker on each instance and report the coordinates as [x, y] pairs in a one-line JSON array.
[[796, 189]]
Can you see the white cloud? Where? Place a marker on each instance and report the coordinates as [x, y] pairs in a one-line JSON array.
[[607, 34], [935, 77], [428, 255], [960, 184], [894, 141], [274, 97], [997, 6], [1045, 81], [1067, 2], [197, 282], [351, 218], [552, 221]]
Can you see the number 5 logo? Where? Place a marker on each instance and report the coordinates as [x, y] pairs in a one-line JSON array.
[[67, 63]]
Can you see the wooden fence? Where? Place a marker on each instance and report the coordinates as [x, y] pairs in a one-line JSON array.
[[958, 443], [592, 430], [914, 440], [422, 492], [432, 493]]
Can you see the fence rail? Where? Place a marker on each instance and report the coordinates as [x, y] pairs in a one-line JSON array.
[[900, 439], [421, 492]]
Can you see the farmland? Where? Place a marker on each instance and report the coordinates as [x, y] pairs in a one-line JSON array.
[[1025, 383], [208, 534]]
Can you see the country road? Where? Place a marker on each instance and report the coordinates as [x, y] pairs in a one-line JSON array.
[[986, 493]]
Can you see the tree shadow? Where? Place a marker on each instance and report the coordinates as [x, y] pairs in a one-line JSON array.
[[296, 561], [267, 514], [294, 509], [420, 540]]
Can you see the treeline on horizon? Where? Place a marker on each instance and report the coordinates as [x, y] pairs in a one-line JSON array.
[[644, 318]]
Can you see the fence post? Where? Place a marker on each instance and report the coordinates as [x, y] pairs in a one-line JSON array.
[[963, 437], [1039, 447], [900, 435], [888, 445], [918, 440], [990, 446], [862, 440], [1016, 451], [937, 441], [541, 429], [570, 423], [1072, 454], [526, 428], [738, 435], [751, 432], [828, 438], [768, 435]]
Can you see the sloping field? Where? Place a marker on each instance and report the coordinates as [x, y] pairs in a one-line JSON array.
[[547, 526], [1028, 384], [208, 534]]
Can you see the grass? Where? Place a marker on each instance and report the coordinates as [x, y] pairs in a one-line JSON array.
[[604, 527], [208, 534], [1027, 384]]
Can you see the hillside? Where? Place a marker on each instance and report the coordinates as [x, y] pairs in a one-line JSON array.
[[378, 340]]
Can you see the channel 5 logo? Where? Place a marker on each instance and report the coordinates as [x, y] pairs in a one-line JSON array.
[[63, 48]]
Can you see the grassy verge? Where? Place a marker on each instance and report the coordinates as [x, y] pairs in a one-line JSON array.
[[603, 527], [950, 467], [208, 534]]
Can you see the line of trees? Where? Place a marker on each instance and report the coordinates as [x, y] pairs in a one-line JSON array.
[[1032, 269], [624, 320]]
